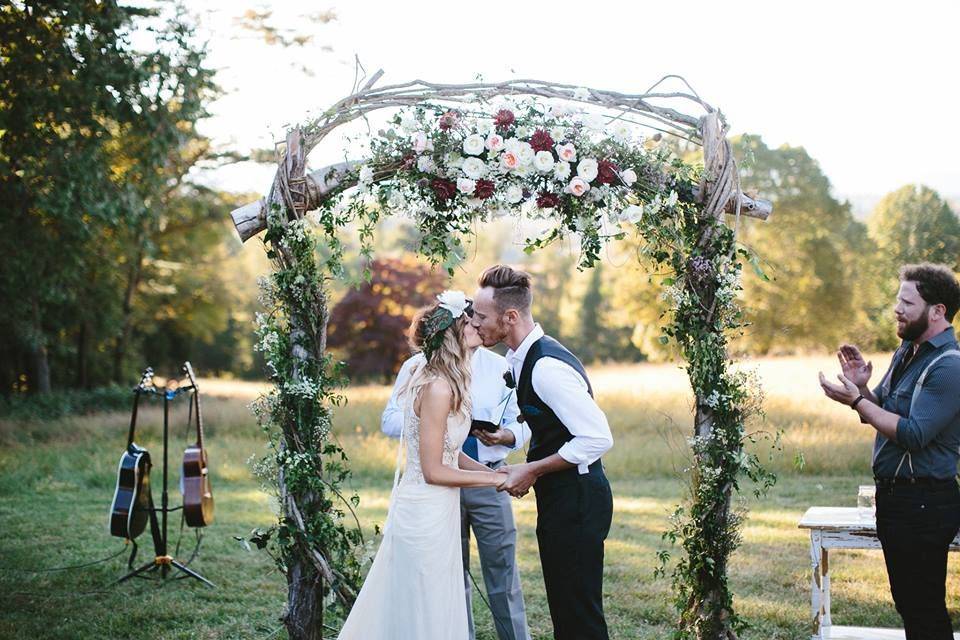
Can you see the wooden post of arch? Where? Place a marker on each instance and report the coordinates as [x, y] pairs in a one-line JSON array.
[[295, 192]]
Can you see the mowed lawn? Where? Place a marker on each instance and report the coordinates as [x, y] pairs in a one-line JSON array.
[[57, 480]]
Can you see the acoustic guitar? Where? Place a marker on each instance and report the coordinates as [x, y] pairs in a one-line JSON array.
[[197, 493], [131, 504]]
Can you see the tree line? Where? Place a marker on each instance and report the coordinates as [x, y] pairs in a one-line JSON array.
[[115, 254]]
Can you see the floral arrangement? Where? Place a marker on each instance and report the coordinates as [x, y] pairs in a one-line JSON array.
[[591, 173]]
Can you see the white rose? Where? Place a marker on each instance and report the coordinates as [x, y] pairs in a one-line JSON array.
[[567, 152], [524, 132], [558, 133], [523, 169], [466, 186], [581, 93], [453, 301], [621, 131], [578, 186], [366, 174], [420, 142], [473, 144], [426, 164], [629, 176], [510, 159], [514, 194], [543, 161], [587, 169], [494, 142], [484, 126], [526, 153], [561, 170], [408, 122], [474, 168], [632, 214], [594, 121]]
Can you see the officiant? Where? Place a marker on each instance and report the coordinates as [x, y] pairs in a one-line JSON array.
[[484, 510]]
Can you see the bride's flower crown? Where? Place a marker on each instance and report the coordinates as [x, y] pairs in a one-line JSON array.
[[453, 304]]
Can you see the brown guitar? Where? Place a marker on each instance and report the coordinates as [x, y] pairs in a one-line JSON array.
[[197, 493]]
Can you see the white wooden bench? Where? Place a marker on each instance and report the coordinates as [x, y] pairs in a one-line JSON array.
[[841, 528]]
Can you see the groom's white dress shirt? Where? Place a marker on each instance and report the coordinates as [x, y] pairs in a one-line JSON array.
[[566, 393], [490, 397]]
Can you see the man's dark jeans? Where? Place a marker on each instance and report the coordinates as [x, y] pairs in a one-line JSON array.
[[915, 524]]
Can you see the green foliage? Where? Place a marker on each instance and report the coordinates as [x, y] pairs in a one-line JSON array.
[[814, 255], [914, 224], [60, 403], [96, 136]]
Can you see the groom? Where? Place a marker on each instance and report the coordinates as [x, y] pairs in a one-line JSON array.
[[569, 434]]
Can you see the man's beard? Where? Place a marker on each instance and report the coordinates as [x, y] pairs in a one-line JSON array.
[[915, 328], [492, 339]]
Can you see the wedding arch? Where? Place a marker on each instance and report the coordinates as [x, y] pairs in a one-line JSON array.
[[457, 153]]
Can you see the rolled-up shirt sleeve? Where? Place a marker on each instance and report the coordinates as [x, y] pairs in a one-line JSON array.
[[937, 406], [566, 393], [391, 422]]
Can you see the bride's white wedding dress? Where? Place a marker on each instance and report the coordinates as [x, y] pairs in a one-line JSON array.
[[414, 590]]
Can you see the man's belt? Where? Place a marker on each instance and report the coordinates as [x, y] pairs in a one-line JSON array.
[[886, 483]]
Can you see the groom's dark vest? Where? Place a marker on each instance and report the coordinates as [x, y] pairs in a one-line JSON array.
[[548, 433]]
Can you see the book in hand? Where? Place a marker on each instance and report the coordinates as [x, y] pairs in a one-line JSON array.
[[483, 425]]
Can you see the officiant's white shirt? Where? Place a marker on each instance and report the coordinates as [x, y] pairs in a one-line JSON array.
[[489, 394], [566, 393]]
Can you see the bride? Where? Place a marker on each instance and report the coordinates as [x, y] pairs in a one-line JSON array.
[[414, 590]]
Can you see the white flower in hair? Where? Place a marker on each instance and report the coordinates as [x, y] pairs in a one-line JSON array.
[[453, 301]]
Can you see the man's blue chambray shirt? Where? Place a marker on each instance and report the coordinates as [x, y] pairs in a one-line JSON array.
[[928, 439]]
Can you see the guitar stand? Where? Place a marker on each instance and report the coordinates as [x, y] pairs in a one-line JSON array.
[[162, 560]]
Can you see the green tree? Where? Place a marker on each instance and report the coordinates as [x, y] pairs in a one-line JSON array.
[[914, 224], [811, 252], [95, 135]]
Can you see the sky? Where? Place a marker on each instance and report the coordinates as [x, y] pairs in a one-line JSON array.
[[869, 89]]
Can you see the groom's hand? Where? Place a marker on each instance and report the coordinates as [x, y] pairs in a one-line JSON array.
[[501, 436], [520, 478]]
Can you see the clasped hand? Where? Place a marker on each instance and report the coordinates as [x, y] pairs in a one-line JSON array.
[[520, 477]]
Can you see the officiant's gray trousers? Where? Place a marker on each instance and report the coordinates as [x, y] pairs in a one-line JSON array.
[[490, 515]]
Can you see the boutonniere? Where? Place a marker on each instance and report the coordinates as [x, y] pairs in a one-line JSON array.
[[508, 378]]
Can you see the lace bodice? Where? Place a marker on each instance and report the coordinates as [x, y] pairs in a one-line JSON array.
[[458, 427]]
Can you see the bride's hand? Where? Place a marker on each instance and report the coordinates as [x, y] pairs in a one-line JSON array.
[[501, 478]]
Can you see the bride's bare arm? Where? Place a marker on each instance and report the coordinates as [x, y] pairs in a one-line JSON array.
[[469, 464], [436, 400]]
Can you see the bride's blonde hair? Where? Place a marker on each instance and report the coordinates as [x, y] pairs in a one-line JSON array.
[[446, 356]]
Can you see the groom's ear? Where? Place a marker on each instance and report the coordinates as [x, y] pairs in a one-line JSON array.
[[512, 316]]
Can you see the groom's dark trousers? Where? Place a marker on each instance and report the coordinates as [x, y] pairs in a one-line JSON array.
[[573, 518]]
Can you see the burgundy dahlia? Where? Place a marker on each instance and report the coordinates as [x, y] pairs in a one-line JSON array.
[[504, 118], [541, 141], [449, 120], [443, 189], [483, 190], [547, 200], [607, 172]]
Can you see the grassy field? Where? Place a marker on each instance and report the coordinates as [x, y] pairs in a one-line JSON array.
[[57, 480]]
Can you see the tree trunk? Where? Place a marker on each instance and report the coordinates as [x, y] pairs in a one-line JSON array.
[[39, 361], [304, 616], [82, 380], [133, 281]]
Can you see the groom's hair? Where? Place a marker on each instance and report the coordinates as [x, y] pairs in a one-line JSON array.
[[511, 288], [936, 284]]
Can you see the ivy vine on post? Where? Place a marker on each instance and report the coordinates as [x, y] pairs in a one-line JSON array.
[[455, 154]]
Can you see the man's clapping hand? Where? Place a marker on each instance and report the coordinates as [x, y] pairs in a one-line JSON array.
[[855, 369]]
